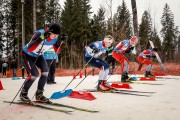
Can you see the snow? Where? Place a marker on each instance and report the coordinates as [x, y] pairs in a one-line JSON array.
[[162, 105]]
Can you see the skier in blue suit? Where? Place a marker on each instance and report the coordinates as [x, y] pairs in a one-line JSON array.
[[32, 55], [93, 51]]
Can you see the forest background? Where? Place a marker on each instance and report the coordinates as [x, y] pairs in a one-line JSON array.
[[83, 27]]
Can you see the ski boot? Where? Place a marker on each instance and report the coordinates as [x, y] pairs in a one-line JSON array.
[[24, 98], [125, 78], [101, 86], [128, 79], [107, 85], [41, 98], [148, 74]]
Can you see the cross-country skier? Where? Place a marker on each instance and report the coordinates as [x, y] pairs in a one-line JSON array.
[[94, 50], [144, 58], [33, 59], [125, 46]]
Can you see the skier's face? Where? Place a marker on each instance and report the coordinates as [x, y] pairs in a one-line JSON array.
[[53, 36], [154, 52], [133, 42], [107, 44]]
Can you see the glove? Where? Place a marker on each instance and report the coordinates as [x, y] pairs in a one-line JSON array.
[[63, 37], [154, 56], [95, 50], [131, 48], [45, 35], [128, 51], [148, 56]]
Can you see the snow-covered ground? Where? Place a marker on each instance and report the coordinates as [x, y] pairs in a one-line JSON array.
[[162, 105]]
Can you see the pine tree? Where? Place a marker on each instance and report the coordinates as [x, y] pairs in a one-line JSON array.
[[11, 22], [178, 50], [156, 40], [28, 17], [98, 25], [122, 23], [7, 28], [1, 29], [145, 29], [14, 24], [53, 11], [75, 22], [168, 33], [40, 14]]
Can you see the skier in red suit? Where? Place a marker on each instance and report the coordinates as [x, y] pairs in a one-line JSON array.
[[125, 46], [144, 58]]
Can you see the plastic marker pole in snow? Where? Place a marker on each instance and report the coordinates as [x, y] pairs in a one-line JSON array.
[[1, 86], [80, 75], [74, 76]]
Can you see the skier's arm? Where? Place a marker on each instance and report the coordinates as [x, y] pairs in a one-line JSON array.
[[57, 48], [35, 41], [118, 48], [92, 48]]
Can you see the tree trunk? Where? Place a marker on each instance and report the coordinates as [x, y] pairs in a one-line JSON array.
[[135, 23], [34, 15]]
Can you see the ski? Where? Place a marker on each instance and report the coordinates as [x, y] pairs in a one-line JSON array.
[[136, 82], [134, 91], [39, 106], [116, 92], [68, 106]]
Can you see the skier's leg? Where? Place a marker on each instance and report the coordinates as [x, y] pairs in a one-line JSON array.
[[42, 65], [96, 62], [32, 75]]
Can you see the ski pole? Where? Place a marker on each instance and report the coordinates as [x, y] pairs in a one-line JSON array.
[[84, 78], [111, 74], [28, 72], [140, 65], [79, 71]]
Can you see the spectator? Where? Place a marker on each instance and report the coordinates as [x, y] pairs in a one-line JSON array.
[[51, 58], [13, 66], [4, 68]]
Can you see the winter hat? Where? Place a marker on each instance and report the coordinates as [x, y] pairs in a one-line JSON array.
[[55, 28]]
